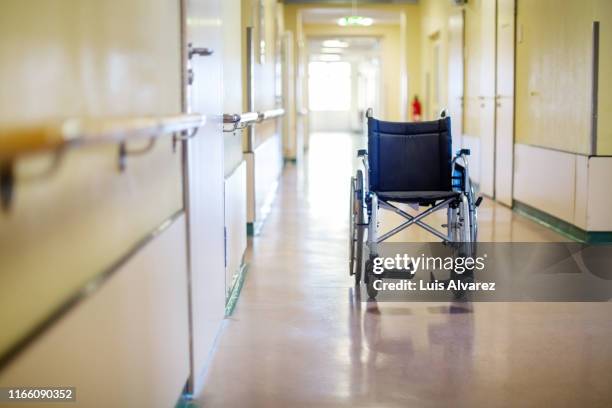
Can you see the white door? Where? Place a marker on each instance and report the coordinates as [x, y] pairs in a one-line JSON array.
[[504, 107], [486, 97], [204, 184], [290, 149], [455, 75]]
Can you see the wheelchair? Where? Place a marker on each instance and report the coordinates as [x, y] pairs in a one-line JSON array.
[[410, 163]]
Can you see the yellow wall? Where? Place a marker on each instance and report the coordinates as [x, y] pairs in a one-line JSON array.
[[479, 49], [603, 13], [434, 23], [553, 74], [83, 58], [553, 68], [394, 62], [553, 84]]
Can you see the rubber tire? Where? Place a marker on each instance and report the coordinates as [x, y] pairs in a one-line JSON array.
[[352, 226], [357, 228], [370, 279]]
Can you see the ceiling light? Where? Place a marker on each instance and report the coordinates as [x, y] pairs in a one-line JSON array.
[[331, 50], [355, 21], [335, 44]]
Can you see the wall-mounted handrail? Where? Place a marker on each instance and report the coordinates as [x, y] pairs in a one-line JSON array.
[[56, 136], [16, 141], [231, 118], [249, 119], [240, 120], [271, 114]]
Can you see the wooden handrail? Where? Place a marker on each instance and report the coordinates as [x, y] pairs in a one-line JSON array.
[[21, 140]]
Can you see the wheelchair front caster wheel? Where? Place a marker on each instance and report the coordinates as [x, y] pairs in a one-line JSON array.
[[371, 277]]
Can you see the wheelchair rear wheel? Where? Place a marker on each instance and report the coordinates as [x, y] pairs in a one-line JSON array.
[[463, 221], [370, 278], [356, 227]]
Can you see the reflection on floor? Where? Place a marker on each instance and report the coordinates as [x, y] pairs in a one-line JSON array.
[[300, 337]]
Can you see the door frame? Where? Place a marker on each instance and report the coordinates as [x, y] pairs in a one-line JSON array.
[[507, 200]]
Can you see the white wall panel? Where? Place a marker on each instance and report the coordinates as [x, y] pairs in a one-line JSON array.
[[600, 194], [581, 192], [268, 167], [545, 179], [572, 187], [249, 159], [235, 221], [125, 345]]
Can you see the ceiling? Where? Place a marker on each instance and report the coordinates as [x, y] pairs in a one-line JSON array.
[[331, 15], [354, 43]]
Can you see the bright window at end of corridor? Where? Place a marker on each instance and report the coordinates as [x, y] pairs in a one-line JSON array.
[[329, 86]]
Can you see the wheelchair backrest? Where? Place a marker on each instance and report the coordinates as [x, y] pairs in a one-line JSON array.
[[409, 156]]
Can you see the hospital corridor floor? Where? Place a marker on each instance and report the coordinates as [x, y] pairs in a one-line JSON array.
[[300, 336]]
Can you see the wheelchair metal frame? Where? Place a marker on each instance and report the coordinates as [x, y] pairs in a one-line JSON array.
[[465, 201], [462, 222]]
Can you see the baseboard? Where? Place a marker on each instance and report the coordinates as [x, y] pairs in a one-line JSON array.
[[254, 228], [562, 227], [186, 401]]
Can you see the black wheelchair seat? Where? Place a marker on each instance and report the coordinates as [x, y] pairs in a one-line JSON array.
[[422, 197]]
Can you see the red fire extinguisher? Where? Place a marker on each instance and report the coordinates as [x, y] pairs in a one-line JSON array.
[[416, 109]]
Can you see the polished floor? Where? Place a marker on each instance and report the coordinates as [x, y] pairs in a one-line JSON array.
[[301, 337]]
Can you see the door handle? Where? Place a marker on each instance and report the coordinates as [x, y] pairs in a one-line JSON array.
[[199, 51]]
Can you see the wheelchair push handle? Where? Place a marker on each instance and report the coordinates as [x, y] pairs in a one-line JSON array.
[[362, 152], [462, 152]]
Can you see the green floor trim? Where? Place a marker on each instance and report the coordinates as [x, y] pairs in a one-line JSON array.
[[186, 402], [562, 227], [254, 228], [234, 294]]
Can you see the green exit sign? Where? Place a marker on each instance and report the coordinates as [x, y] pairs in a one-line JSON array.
[[355, 21]]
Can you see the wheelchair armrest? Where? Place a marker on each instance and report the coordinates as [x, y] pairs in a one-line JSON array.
[[362, 152]]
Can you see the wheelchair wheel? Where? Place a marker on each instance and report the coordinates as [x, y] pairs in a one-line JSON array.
[[356, 227], [464, 232], [370, 278], [473, 216]]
